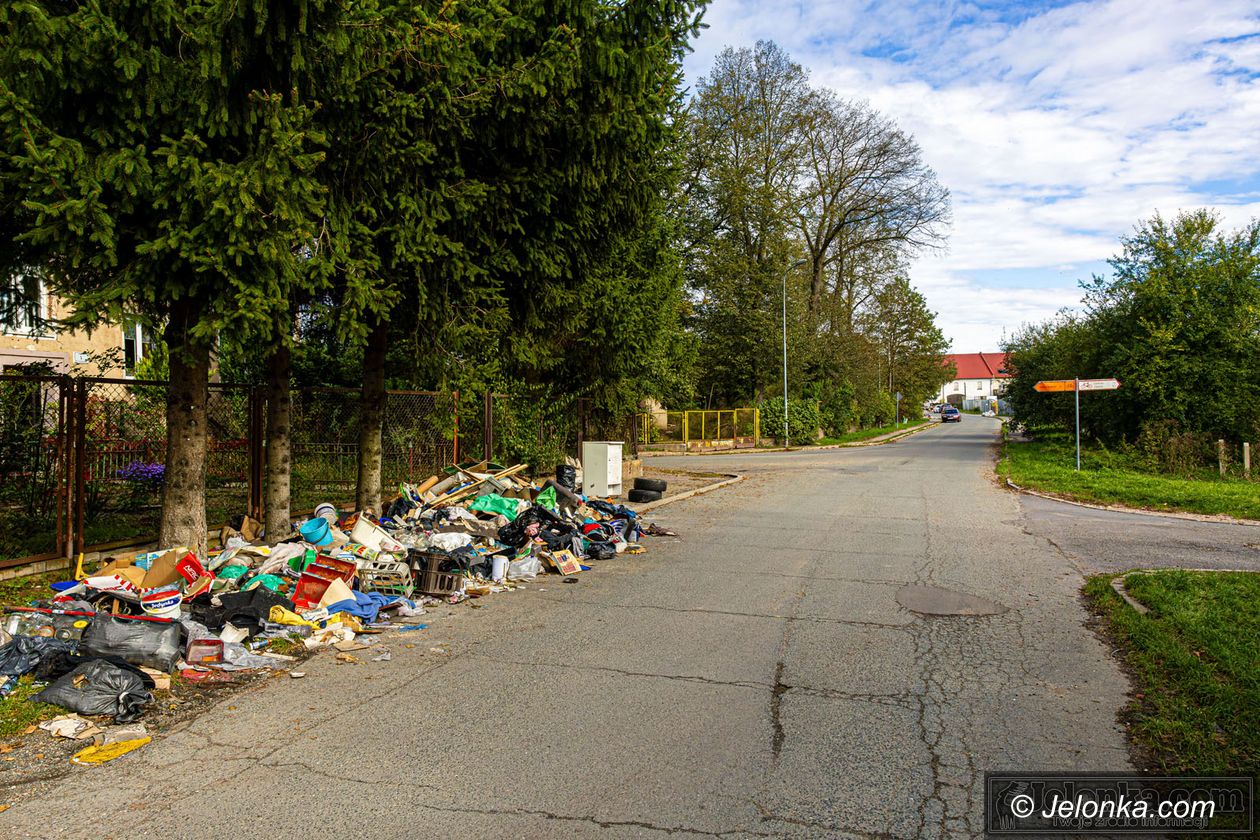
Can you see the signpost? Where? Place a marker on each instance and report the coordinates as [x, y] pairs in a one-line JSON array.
[[1051, 386], [897, 397]]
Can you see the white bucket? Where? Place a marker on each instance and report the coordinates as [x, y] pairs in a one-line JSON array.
[[498, 567]]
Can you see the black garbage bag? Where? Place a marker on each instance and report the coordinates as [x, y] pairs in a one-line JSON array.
[[400, 507], [556, 540], [601, 551], [520, 532], [529, 524], [566, 476], [58, 664], [140, 640], [240, 609], [24, 653], [463, 559], [98, 687]]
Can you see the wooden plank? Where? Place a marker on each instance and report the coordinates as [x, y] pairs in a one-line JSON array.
[[469, 489]]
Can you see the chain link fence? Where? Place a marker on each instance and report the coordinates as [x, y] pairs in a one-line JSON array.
[[82, 461], [32, 468], [119, 429], [418, 439]]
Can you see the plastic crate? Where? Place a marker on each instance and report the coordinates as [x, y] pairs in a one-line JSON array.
[[318, 576], [440, 584], [432, 581], [388, 577]]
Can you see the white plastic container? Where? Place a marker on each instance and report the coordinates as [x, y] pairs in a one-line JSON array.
[[368, 533]]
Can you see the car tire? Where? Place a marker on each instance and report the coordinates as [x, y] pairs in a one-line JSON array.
[[644, 495], [656, 484]]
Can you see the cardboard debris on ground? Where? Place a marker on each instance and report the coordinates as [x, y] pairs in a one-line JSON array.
[[70, 727], [161, 680]]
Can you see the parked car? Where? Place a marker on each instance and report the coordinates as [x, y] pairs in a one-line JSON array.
[[949, 414]]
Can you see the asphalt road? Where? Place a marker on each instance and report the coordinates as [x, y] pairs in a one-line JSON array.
[[756, 678], [1112, 541]]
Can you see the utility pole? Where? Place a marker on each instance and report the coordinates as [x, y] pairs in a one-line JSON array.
[[786, 272]]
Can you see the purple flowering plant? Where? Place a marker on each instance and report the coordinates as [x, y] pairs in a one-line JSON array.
[[144, 474]]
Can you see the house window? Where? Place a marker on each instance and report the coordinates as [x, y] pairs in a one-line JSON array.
[[136, 344], [23, 306]]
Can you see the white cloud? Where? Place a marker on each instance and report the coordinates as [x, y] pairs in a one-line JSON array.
[[1056, 133]]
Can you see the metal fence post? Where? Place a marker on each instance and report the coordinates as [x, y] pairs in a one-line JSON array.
[[79, 501], [487, 428], [65, 423], [257, 432], [455, 442], [582, 430]]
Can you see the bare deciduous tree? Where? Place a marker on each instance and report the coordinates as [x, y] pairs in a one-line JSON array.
[[865, 195]]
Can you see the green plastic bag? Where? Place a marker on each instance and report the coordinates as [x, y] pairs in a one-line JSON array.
[[547, 499], [272, 582], [231, 572], [299, 562], [494, 503]]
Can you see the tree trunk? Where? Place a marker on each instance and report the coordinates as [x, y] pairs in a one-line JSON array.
[[184, 492], [279, 442], [371, 417]]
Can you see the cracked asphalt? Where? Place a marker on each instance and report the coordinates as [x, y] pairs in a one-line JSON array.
[[757, 677]]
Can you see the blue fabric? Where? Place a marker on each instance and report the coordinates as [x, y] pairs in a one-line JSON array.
[[365, 605]]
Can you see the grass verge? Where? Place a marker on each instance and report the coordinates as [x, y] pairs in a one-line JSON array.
[[1048, 464], [18, 712], [20, 591], [1196, 706], [867, 434]]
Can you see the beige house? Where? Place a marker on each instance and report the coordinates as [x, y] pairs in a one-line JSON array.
[[26, 341]]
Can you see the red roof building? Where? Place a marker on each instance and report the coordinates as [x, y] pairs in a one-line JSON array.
[[979, 375]]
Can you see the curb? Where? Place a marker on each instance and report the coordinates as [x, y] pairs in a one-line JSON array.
[[1117, 584], [690, 493], [1215, 519], [891, 437]]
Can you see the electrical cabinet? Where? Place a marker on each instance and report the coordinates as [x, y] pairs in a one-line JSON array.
[[601, 468]]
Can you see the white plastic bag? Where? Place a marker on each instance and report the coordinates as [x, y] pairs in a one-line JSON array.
[[527, 568], [450, 541]]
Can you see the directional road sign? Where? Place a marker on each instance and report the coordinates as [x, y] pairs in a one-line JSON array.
[[1047, 386], [1050, 385]]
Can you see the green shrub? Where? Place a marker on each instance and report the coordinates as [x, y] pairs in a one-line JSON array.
[[804, 418]]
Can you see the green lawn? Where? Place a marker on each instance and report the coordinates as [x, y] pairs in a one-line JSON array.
[[867, 434], [1107, 477], [20, 591], [18, 711], [1196, 706]]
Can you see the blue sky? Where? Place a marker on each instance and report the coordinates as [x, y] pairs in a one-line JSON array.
[[1057, 126]]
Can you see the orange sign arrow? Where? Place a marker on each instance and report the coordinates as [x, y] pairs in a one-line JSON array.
[[1048, 385]]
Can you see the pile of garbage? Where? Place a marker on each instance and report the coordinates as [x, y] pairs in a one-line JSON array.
[[107, 639]]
